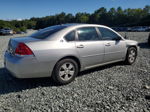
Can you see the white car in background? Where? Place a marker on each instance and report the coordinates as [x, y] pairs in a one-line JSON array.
[[6, 31]]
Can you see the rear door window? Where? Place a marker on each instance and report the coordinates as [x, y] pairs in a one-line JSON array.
[[87, 34]]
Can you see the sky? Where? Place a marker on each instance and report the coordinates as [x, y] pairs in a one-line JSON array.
[[25, 9]]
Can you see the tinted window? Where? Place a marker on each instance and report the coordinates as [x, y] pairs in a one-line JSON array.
[[44, 33], [86, 34], [70, 36], [108, 34]]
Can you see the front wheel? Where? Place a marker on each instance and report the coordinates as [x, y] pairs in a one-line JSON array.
[[131, 56], [65, 71]]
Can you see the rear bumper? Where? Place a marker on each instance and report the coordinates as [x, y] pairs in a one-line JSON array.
[[25, 67]]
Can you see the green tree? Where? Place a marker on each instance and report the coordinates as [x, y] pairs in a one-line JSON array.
[[112, 17], [82, 17]]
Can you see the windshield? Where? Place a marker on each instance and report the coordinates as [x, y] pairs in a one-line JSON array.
[[46, 32]]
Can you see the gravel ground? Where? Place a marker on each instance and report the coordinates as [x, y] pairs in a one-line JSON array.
[[111, 88]]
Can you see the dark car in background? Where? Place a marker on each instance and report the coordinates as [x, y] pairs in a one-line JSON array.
[[149, 39], [0, 31], [120, 29]]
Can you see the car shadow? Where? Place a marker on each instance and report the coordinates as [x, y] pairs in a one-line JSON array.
[[144, 45], [9, 84]]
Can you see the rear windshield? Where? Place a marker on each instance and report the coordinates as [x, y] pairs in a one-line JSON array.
[[46, 32]]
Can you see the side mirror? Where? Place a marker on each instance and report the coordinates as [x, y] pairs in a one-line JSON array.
[[117, 38], [126, 37]]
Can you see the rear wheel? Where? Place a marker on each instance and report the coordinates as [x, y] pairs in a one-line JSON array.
[[65, 71], [131, 55]]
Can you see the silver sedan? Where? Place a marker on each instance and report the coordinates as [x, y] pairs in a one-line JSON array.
[[62, 51]]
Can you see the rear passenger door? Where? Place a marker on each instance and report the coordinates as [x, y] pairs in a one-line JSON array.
[[115, 46], [89, 46]]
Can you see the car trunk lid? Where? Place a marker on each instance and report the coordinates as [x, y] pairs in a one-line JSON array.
[[13, 43]]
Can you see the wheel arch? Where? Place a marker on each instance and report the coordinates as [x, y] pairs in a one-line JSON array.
[[73, 58], [129, 46]]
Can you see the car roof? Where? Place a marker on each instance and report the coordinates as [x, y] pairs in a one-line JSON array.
[[80, 25], [73, 26]]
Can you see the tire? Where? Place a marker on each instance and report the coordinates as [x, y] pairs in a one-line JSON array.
[[131, 55], [65, 71]]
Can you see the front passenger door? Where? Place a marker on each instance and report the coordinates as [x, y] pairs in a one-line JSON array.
[[115, 46]]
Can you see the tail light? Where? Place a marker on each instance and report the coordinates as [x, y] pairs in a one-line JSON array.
[[23, 49]]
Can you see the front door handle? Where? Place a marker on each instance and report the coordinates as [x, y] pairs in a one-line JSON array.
[[80, 46], [108, 44]]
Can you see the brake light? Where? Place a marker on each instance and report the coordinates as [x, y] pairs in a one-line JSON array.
[[23, 49]]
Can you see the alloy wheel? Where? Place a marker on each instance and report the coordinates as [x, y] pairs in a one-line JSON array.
[[132, 56], [66, 71]]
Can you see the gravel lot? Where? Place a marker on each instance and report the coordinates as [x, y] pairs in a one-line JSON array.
[[111, 88]]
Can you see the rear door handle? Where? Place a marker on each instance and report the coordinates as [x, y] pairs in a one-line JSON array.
[[108, 44], [80, 46]]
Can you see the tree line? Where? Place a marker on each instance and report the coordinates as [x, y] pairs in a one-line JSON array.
[[112, 17]]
